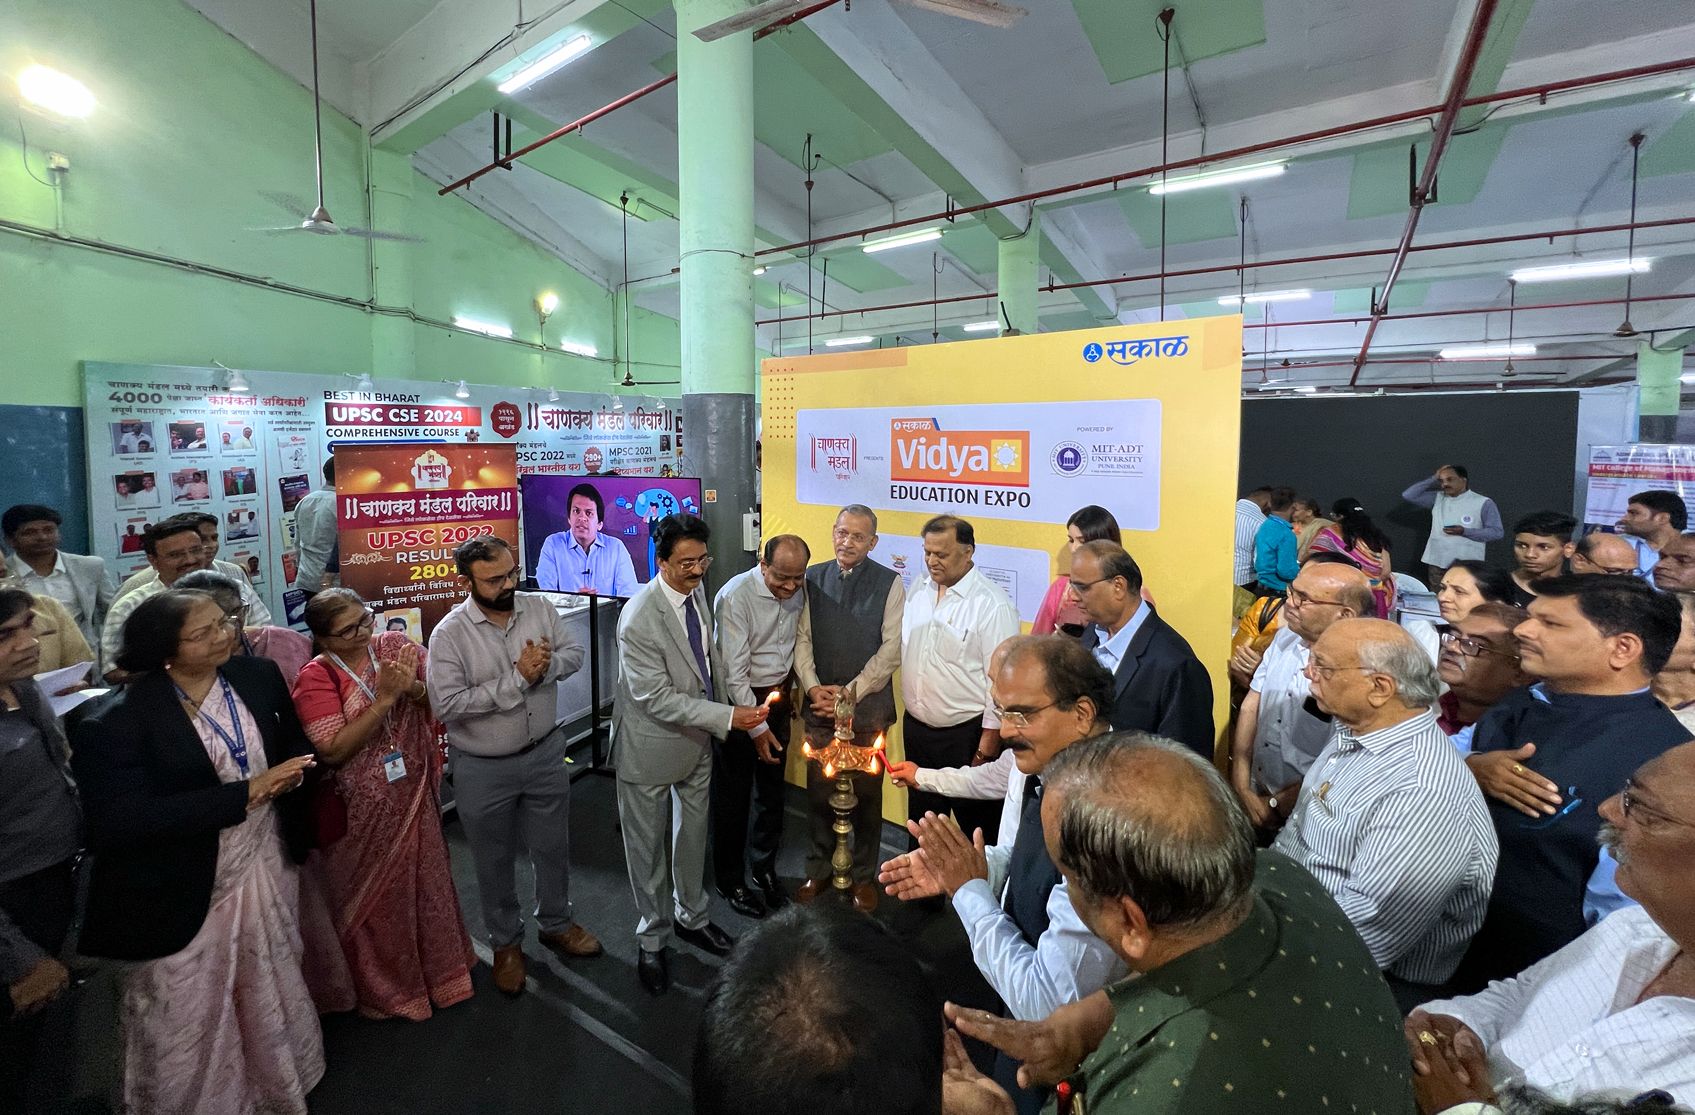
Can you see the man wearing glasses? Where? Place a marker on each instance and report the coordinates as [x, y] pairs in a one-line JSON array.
[[671, 705], [174, 550], [1279, 731], [1610, 555], [582, 559], [1480, 665], [493, 660], [1548, 755]]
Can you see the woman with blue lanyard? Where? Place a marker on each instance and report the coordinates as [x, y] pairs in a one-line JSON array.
[[365, 708], [190, 784]]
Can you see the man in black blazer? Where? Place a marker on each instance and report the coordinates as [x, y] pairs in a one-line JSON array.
[[1159, 685]]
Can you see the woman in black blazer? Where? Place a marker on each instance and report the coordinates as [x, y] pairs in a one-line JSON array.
[[186, 782]]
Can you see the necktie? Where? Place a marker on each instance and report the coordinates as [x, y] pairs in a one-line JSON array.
[[692, 622]]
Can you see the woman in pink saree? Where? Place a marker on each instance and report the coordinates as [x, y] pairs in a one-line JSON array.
[[365, 709]]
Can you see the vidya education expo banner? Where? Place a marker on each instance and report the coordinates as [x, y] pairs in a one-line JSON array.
[[167, 439], [402, 510], [1014, 434]]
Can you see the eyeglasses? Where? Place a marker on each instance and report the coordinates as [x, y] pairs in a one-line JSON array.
[[1301, 599], [225, 626], [1314, 670], [694, 565], [1078, 588], [1020, 717], [854, 536], [511, 577], [1469, 646], [367, 620], [1629, 802]]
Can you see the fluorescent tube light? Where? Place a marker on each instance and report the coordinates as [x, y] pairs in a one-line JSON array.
[[487, 328], [1266, 296], [1186, 182], [579, 348], [1688, 377], [1486, 352], [60, 94], [981, 326], [545, 65], [1590, 269], [1306, 389], [903, 240], [839, 342]]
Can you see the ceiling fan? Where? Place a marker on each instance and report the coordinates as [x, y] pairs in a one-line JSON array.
[[995, 13], [318, 220]]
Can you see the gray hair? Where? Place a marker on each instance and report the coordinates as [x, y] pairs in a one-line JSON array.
[[219, 587], [1393, 651], [1184, 852], [861, 510]]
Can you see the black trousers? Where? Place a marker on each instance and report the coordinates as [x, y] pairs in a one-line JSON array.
[[948, 747], [867, 817], [41, 906], [739, 779]]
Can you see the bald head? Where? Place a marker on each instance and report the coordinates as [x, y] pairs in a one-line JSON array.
[[1324, 592], [1599, 552]]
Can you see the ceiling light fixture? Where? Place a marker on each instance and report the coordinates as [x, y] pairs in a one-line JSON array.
[[1261, 297], [52, 91], [905, 239], [1592, 269], [1486, 352], [486, 328], [553, 394], [759, 270], [362, 381], [579, 348], [546, 64], [1306, 389], [238, 384], [982, 327], [546, 304], [840, 342], [462, 391], [1186, 182]]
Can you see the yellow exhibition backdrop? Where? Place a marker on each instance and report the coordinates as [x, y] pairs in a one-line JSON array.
[[1014, 434]]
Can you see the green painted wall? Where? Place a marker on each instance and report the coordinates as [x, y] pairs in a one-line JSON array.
[[191, 127]]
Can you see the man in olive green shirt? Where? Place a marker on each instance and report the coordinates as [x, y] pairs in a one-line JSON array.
[[1250, 991]]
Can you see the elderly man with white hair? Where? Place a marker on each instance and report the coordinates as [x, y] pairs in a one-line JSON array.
[[1389, 819]]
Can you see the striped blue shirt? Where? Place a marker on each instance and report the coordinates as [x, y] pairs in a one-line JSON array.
[[1393, 825]]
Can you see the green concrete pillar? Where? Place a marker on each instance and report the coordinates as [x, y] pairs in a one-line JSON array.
[[1020, 276], [1659, 382], [715, 184], [394, 348]]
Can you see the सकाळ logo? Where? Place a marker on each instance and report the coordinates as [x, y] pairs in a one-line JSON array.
[[1126, 353]]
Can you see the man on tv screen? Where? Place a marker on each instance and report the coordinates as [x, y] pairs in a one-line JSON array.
[[582, 559]]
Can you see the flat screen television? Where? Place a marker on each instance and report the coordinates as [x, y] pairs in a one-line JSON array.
[[628, 507]]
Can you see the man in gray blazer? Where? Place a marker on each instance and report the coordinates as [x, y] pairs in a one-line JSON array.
[[663, 723], [78, 581]]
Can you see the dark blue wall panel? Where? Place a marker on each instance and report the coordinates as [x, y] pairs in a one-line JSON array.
[[41, 461]]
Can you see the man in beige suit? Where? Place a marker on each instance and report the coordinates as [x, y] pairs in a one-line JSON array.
[[663, 723]]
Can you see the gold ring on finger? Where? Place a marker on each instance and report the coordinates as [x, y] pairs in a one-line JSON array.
[[1426, 1037], [1517, 769]]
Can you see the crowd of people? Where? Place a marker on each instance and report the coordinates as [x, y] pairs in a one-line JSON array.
[[1433, 861]]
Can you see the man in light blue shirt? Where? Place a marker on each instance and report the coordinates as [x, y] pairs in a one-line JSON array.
[[582, 559], [1275, 553]]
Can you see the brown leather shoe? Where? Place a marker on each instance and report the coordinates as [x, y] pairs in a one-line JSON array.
[[575, 941], [509, 969], [865, 898], [809, 890]]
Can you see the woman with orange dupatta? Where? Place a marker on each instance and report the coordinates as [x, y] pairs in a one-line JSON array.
[[365, 709]]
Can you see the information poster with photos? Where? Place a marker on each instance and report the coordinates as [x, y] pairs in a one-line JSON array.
[[402, 510], [163, 440]]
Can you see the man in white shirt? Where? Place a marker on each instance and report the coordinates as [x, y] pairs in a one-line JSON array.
[[954, 620], [77, 581], [1278, 733], [1613, 1012], [1390, 820], [315, 536], [207, 526], [1250, 514], [173, 550]]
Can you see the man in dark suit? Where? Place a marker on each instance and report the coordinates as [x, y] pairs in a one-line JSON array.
[[1159, 685]]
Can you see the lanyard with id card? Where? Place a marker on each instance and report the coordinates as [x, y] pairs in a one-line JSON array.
[[394, 763]]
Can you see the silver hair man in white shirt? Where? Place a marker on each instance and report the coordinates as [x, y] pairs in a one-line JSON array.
[[955, 618], [1614, 1011]]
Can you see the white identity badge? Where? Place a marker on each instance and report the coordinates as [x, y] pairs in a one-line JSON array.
[[394, 766]]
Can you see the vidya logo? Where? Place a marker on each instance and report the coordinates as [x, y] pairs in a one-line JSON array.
[[922, 451]]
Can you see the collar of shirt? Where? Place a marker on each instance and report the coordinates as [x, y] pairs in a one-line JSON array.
[[599, 541], [477, 615], [1384, 738], [672, 596], [1115, 647], [1541, 692], [962, 587], [23, 569], [1249, 507]]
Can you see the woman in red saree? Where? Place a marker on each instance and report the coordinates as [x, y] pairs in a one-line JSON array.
[[365, 709]]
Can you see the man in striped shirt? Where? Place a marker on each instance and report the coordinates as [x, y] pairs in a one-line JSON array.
[[1250, 513], [1390, 820]]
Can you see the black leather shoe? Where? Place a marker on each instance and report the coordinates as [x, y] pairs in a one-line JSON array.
[[745, 902], [776, 897], [654, 972], [708, 937]]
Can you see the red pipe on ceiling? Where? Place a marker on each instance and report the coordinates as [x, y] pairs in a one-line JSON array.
[[1522, 309], [1541, 90], [1283, 261], [651, 87]]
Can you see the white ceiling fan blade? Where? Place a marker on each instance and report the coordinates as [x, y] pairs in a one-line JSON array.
[[378, 234], [277, 231], [995, 13], [757, 16], [288, 203]]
